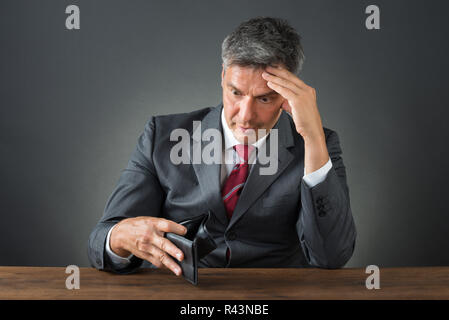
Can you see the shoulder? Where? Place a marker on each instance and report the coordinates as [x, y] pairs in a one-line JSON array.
[[180, 120], [159, 128]]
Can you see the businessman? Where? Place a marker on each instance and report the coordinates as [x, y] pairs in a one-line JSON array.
[[298, 216]]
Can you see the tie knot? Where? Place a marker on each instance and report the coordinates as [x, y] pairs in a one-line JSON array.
[[244, 151]]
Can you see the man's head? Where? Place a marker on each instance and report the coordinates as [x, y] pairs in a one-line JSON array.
[[247, 100]]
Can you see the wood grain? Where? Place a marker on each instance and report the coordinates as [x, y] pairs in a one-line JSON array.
[[223, 284]]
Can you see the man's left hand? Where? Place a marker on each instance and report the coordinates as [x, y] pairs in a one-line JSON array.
[[300, 101]]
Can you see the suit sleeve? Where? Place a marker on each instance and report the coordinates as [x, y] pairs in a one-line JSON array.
[[138, 193], [325, 225]]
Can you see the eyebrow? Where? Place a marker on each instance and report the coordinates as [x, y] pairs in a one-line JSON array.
[[269, 93]]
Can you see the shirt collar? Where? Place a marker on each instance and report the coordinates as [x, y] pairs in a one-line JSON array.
[[230, 141]]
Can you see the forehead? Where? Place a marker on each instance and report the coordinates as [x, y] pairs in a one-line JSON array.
[[246, 79]]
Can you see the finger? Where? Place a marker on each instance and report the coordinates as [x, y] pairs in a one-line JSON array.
[[160, 258], [167, 246], [281, 81], [164, 244], [284, 73], [165, 259], [171, 226], [146, 256], [283, 91]]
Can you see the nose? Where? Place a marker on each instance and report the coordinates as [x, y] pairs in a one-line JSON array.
[[246, 112]]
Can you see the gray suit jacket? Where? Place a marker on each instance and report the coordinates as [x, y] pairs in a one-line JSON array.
[[278, 222]]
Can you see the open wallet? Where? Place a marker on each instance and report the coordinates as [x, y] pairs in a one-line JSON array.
[[195, 244]]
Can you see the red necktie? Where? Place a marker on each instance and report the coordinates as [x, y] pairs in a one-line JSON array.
[[235, 182]]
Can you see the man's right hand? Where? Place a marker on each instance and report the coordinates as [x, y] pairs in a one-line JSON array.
[[144, 238]]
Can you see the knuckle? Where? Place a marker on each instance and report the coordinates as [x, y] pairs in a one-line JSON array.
[[145, 239], [138, 245], [149, 228], [148, 222], [162, 258], [144, 256], [156, 263], [153, 251], [162, 224], [142, 242], [151, 225], [142, 247], [163, 245]]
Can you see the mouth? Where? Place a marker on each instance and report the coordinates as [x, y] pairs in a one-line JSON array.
[[245, 129]]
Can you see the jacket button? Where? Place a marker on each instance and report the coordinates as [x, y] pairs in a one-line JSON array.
[[231, 236], [321, 213], [319, 200]]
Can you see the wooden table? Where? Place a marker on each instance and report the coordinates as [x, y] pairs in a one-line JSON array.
[[222, 284]]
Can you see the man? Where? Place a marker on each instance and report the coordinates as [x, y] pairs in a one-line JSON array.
[[298, 216]]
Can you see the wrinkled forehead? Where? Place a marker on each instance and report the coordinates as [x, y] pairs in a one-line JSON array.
[[246, 79]]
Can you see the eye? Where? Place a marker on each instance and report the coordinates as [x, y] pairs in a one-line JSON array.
[[265, 100], [235, 92]]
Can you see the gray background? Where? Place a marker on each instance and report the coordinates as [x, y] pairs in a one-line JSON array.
[[73, 104]]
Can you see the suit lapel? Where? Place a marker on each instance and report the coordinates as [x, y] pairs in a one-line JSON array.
[[256, 184], [209, 174]]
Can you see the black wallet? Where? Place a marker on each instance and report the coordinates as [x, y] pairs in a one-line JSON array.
[[195, 244]]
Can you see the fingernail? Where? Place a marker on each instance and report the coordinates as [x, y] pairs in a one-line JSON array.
[[178, 272], [179, 256]]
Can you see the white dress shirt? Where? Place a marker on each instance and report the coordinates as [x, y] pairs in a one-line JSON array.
[[230, 159]]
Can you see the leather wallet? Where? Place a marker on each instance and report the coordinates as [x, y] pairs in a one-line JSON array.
[[195, 244]]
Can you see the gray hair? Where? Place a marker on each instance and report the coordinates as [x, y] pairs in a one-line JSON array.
[[263, 41]]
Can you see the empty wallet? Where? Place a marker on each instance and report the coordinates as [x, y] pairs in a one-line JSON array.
[[195, 244]]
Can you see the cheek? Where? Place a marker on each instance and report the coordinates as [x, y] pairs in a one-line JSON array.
[[228, 99], [233, 112], [230, 109], [269, 116]]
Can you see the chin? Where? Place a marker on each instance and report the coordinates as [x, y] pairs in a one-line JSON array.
[[245, 138]]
